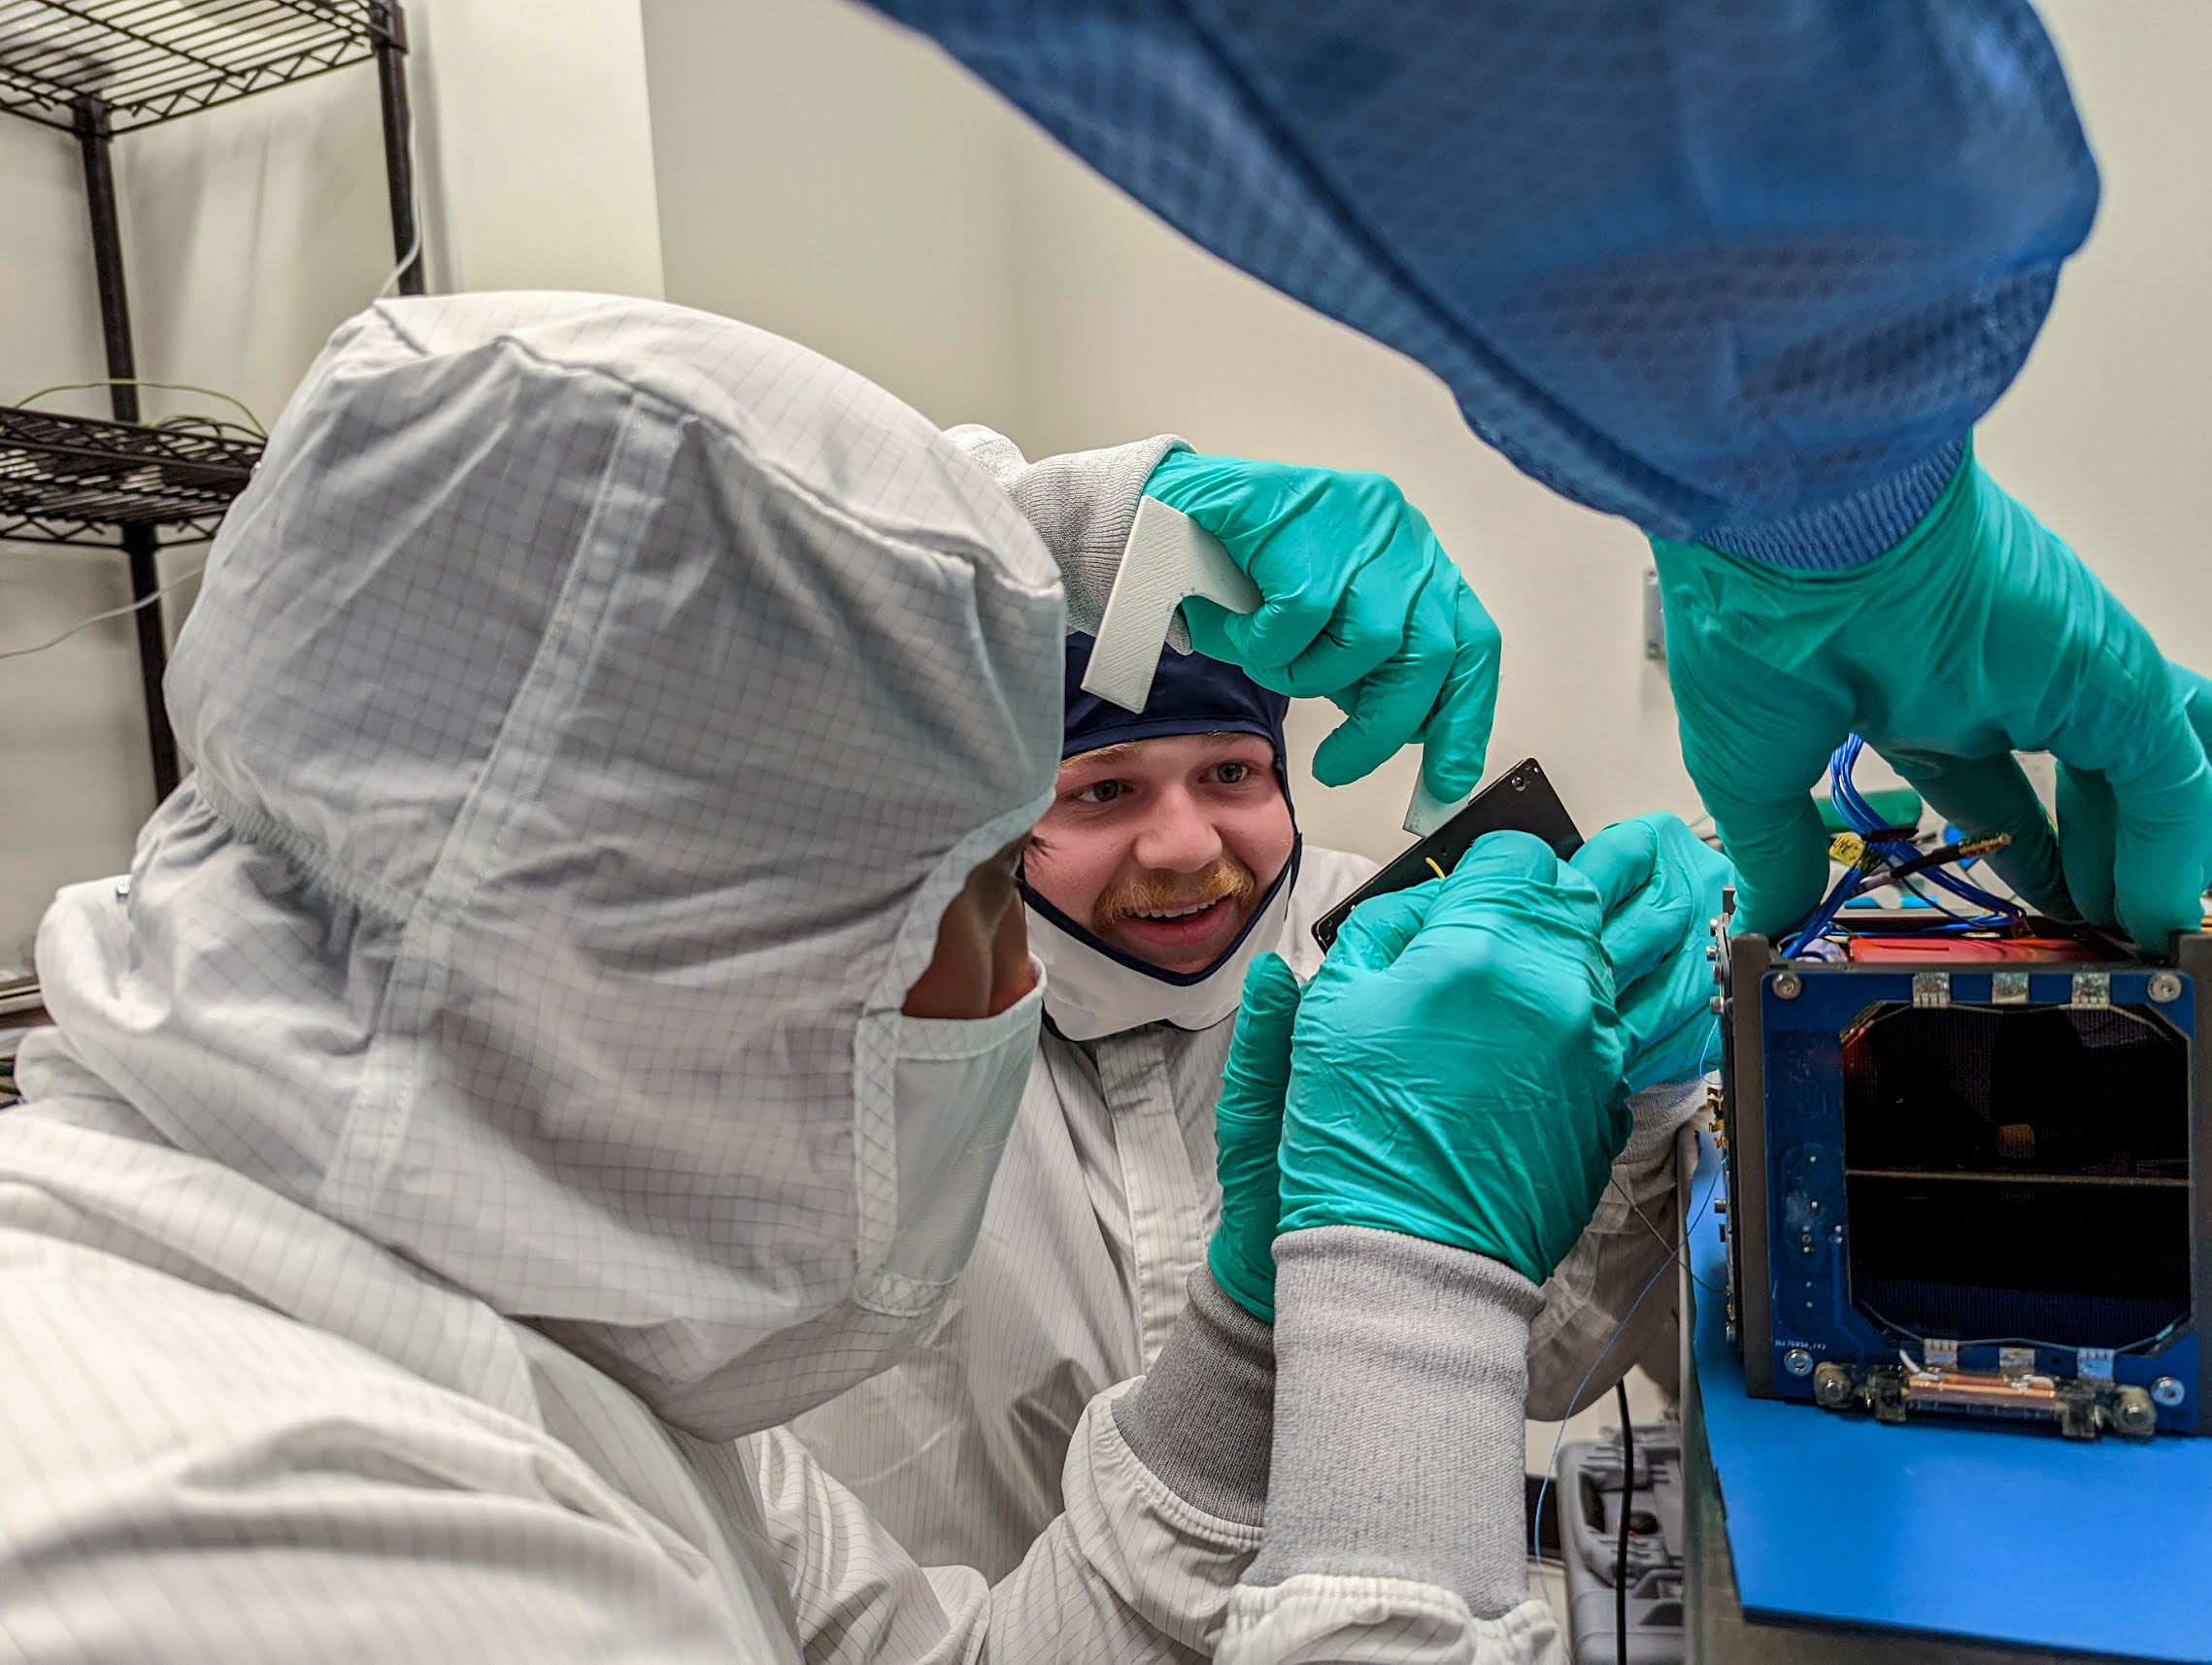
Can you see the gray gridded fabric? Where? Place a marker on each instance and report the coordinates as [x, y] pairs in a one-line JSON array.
[[596, 704], [539, 908], [482, 1079], [482, 1090], [251, 1438]]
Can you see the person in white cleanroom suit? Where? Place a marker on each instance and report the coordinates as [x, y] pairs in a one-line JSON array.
[[566, 1026], [1106, 1194]]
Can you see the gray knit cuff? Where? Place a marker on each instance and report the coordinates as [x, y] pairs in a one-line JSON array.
[[1083, 505], [1201, 1418], [1656, 1113], [1402, 1366]]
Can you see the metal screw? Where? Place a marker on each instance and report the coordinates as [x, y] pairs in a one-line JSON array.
[[1788, 985], [1798, 1361], [1832, 1387], [1714, 1004], [2164, 986], [2169, 1391], [2132, 1413], [1713, 951]]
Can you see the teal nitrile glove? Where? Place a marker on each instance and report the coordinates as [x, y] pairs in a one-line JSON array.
[[2088, 831], [1979, 634], [1456, 1073], [1358, 604], [1248, 1132], [1659, 886]]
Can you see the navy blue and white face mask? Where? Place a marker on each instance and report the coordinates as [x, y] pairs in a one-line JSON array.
[[1093, 989]]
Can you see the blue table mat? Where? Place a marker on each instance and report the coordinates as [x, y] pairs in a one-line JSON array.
[[1994, 1534]]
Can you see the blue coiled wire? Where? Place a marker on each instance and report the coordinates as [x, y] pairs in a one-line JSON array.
[[1861, 817]]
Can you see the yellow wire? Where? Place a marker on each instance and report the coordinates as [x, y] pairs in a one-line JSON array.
[[1432, 867], [139, 382]]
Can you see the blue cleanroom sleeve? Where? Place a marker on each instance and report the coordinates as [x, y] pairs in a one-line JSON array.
[[1746, 274]]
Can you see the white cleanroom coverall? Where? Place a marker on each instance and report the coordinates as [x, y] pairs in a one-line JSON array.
[[485, 1107]]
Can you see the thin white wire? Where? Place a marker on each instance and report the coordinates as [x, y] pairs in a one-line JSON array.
[[261, 432], [1673, 1253], [415, 201], [101, 617], [1550, 1462]]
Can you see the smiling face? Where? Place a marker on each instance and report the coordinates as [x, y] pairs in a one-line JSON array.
[[1165, 846]]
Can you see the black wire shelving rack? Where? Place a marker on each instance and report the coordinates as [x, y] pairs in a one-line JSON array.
[[99, 68], [71, 480], [148, 61]]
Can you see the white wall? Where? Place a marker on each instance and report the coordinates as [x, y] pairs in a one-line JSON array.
[[2104, 434], [249, 232], [832, 178], [537, 146], [69, 716]]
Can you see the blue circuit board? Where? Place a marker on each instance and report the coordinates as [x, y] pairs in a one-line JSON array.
[[1827, 1304]]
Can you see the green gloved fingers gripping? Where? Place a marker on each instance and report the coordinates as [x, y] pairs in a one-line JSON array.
[[1993, 796], [1658, 889], [1458, 728], [1754, 738], [1979, 634], [1248, 1130], [2089, 814], [1359, 605], [1684, 1052], [1392, 705], [1456, 1063], [1303, 535], [1644, 896], [1378, 930]]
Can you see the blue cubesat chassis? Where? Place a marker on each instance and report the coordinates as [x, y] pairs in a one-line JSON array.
[[1790, 1228]]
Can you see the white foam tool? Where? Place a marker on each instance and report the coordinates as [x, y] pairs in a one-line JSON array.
[[1169, 558], [1427, 812]]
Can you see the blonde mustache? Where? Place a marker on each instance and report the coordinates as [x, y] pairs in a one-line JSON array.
[[1223, 878]]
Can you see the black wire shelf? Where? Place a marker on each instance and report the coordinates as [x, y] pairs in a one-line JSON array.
[[77, 480], [136, 62], [97, 68]]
